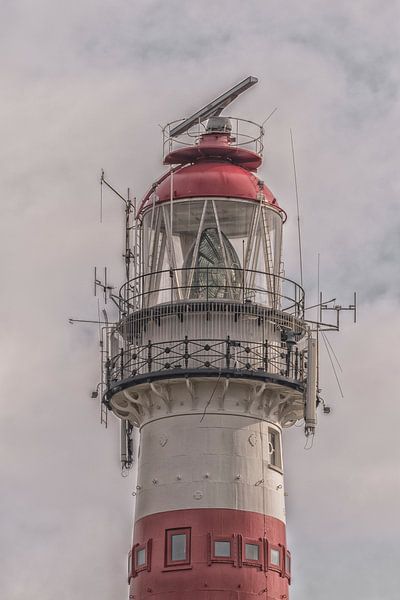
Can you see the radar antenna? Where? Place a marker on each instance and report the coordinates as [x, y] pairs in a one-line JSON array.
[[214, 108]]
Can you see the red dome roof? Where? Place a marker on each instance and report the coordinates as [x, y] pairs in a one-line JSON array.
[[210, 178]]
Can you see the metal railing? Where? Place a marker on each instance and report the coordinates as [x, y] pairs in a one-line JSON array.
[[275, 358], [212, 284], [244, 134]]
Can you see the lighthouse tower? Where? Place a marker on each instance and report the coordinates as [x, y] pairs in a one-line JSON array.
[[210, 360]]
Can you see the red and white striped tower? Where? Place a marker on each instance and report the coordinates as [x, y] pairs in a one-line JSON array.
[[210, 360]]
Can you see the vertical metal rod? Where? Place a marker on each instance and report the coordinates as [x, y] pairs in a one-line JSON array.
[[171, 211], [122, 363], [221, 241], [101, 195], [298, 210], [149, 357], [355, 307], [127, 244], [228, 352], [196, 249], [186, 352], [320, 313]]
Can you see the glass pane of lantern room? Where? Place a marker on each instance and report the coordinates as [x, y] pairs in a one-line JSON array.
[[207, 238]]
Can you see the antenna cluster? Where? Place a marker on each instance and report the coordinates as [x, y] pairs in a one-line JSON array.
[[106, 329]]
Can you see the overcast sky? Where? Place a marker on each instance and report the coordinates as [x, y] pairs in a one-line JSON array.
[[84, 86]]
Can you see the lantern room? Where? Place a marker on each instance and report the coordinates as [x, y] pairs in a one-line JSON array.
[[211, 224]]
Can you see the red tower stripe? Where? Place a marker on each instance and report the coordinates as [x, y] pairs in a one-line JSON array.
[[255, 541]]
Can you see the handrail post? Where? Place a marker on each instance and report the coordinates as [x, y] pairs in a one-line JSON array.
[[149, 357], [122, 363], [288, 355], [266, 356], [228, 352], [171, 276], [186, 355]]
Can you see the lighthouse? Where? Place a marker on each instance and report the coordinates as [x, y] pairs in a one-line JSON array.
[[211, 358]]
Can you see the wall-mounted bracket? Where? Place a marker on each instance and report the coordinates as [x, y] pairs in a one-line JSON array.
[[331, 305]]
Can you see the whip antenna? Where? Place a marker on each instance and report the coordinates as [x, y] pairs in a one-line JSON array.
[[298, 209]]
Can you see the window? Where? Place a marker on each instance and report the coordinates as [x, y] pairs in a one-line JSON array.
[[252, 552], [222, 549], [140, 557], [288, 564], [274, 448], [275, 558], [177, 547]]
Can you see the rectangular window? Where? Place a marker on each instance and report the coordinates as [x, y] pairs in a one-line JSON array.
[[140, 557], [274, 448], [177, 547], [222, 549], [288, 564], [275, 558], [252, 552]]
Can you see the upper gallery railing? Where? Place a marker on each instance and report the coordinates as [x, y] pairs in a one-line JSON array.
[[212, 284], [244, 134]]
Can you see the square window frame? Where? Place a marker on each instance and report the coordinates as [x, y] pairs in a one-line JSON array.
[[135, 568], [168, 562], [272, 566], [255, 542], [232, 559], [138, 550]]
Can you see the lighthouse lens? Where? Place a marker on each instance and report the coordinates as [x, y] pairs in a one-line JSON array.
[[216, 265]]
